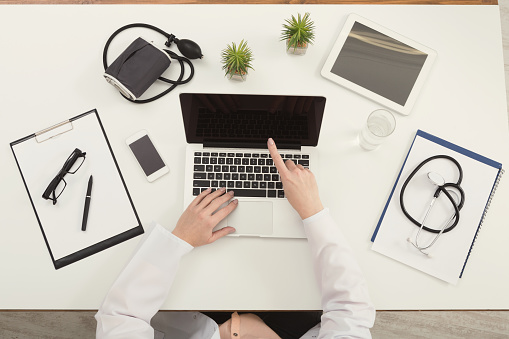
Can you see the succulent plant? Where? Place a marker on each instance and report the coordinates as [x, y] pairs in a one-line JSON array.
[[298, 32], [237, 59]]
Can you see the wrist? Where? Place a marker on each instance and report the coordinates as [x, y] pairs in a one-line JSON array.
[[309, 212]]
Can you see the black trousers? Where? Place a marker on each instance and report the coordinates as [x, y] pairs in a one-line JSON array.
[[287, 325]]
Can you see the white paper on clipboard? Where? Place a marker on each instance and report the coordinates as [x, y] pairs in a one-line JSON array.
[[112, 217]]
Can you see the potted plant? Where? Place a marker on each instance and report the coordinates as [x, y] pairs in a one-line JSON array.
[[237, 60], [298, 33]]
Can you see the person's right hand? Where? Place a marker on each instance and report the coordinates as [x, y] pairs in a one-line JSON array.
[[299, 184]]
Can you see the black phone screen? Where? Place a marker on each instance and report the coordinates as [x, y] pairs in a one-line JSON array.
[[147, 155]]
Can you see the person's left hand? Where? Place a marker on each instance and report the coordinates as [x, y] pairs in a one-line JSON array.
[[198, 220]]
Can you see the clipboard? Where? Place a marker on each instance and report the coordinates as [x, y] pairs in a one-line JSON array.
[[112, 217]]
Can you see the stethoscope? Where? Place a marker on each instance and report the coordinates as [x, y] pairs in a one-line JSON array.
[[442, 186]]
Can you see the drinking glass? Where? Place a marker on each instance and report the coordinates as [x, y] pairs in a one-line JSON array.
[[380, 124]]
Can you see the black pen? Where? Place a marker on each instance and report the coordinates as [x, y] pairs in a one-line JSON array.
[[87, 204]]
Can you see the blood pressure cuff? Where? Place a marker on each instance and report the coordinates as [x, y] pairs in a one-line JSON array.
[[137, 68]]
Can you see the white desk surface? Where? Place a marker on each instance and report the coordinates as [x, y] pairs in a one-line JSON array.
[[51, 69]]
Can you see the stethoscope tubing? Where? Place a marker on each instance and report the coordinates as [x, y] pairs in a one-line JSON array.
[[440, 189]]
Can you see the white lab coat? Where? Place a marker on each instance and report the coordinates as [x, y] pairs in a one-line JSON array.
[[129, 307]]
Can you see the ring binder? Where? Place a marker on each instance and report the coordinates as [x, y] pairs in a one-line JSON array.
[[495, 186]]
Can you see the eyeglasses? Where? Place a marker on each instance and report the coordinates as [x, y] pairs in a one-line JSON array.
[[58, 184]]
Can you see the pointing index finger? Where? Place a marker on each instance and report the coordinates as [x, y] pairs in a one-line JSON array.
[[278, 162]]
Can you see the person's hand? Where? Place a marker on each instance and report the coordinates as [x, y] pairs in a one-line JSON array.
[[198, 220], [299, 184]]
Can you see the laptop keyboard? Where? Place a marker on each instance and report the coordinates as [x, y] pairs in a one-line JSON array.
[[248, 174]]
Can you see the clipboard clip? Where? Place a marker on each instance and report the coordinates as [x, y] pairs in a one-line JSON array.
[[56, 130]]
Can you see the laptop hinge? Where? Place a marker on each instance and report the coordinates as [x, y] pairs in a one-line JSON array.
[[262, 145]]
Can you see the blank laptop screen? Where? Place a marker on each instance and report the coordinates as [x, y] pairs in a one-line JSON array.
[[251, 119]]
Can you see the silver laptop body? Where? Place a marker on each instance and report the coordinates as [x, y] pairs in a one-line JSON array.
[[227, 136]]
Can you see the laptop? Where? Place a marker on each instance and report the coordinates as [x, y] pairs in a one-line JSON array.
[[227, 147]]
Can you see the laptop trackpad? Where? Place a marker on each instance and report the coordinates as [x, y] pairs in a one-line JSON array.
[[252, 218]]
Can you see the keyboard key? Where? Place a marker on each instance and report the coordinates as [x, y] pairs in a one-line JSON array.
[[245, 161], [304, 162], [305, 156], [254, 184], [237, 161], [269, 162], [229, 161], [257, 169], [219, 176], [235, 176], [243, 176], [288, 156], [247, 155], [264, 155], [261, 162], [206, 154], [217, 168], [197, 160], [225, 168], [251, 177], [241, 169], [263, 184], [255, 155], [221, 161], [213, 161], [257, 193], [259, 177], [296, 156], [253, 161], [233, 168], [239, 155], [201, 183], [222, 183], [249, 169], [205, 161], [196, 191], [271, 185], [275, 177], [271, 194], [273, 170], [215, 183], [199, 175], [213, 154], [199, 168], [231, 184], [266, 177], [247, 184], [197, 154], [265, 169], [279, 185], [226, 176], [238, 184], [231, 155], [210, 176], [280, 194], [222, 154], [209, 168]]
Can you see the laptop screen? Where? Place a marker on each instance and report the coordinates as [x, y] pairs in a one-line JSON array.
[[247, 120]]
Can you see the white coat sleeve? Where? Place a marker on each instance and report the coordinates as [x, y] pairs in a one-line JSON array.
[[348, 311], [142, 286]]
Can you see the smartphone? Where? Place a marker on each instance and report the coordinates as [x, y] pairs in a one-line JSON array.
[[146, 153]]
